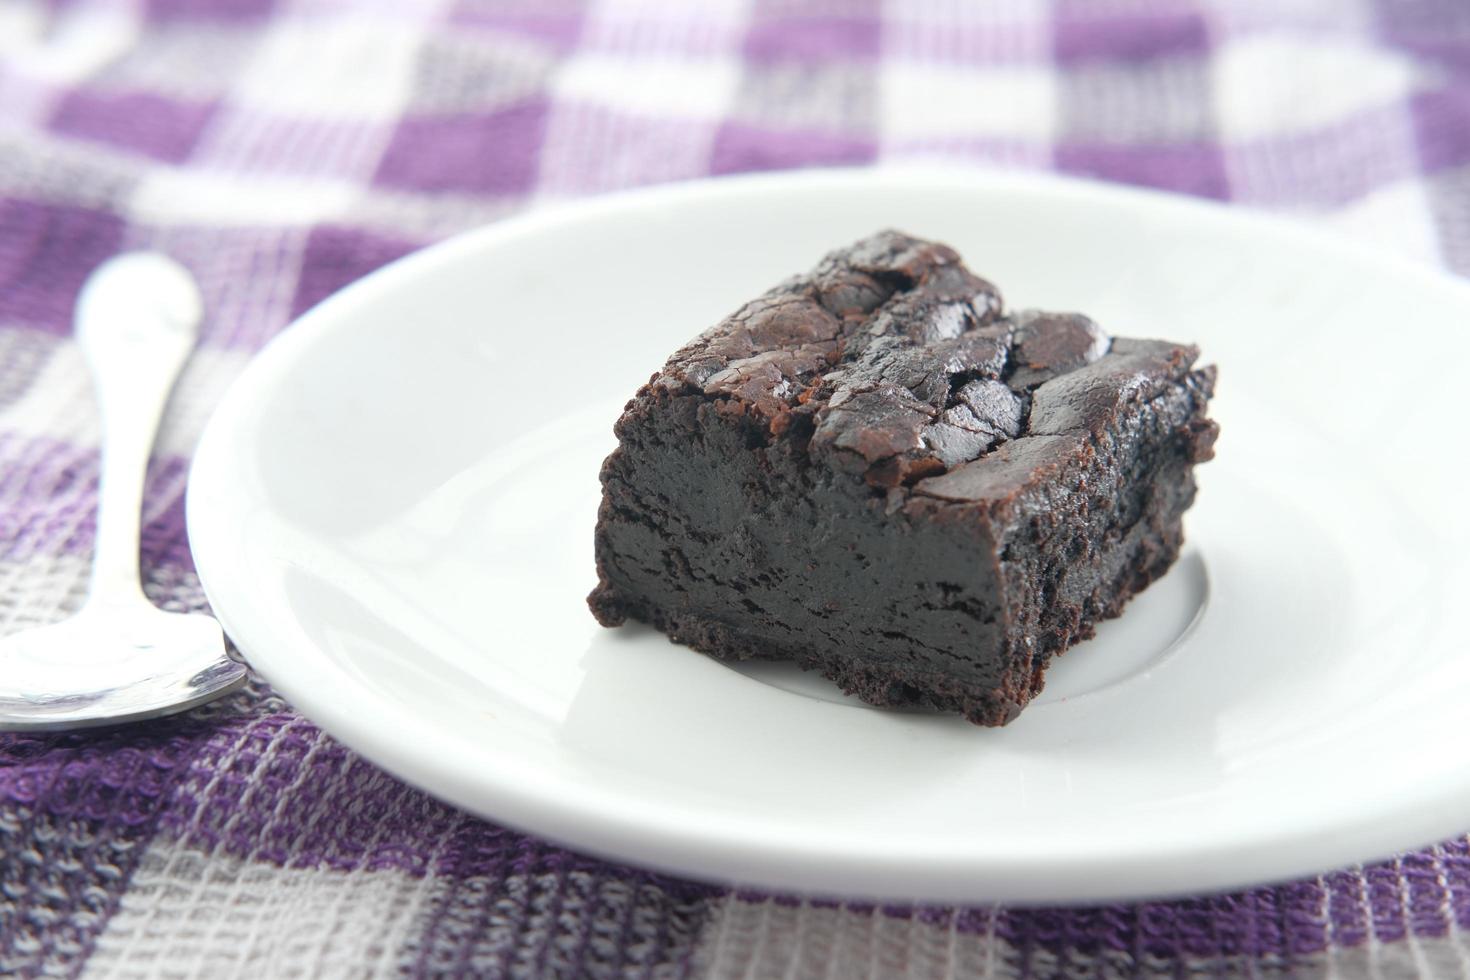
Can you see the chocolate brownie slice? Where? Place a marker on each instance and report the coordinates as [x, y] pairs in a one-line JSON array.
[[875, 472]]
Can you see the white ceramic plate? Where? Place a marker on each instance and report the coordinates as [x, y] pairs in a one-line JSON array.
[[392, 514]]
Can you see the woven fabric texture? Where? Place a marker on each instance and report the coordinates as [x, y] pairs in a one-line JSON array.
[[283, 149]]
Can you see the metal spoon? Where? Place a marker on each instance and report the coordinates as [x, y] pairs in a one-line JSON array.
[[121, 658]]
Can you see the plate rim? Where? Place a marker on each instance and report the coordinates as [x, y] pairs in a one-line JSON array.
[[743, 858]]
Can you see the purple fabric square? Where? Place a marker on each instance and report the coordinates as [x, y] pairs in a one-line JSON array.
[[46, 251], [376, 819], [94, 800], [456, 942], [50, 489], [485, 153], [1345, 908], [1451, 54], [209, 9], [1425, 18], [1385, 903], [158, 127], [741, 147], [1130, 38], [1442, 128], [1190, 168], [1285, 921], [165, 538], [1455, 864], [53, 489], [1347, 159], [336, 256], [1427, 896], [813, 38]]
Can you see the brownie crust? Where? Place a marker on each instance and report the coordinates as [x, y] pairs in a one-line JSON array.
[[873, 471]]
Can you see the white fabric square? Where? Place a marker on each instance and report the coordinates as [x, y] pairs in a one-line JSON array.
[[69, 46], [702, 88], [21, 28], [184, 197], [956, 101], [337, 69], [948, 14], [591, 149], [1276, 85], [188, 912]]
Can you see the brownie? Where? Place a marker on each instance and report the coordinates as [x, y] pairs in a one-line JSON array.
[[877, 472]]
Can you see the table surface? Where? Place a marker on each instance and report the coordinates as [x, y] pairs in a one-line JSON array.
[[283, 149]]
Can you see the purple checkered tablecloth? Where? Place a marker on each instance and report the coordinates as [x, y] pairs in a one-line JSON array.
[[283, 149]]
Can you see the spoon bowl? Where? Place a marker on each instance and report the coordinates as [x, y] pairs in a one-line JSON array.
[[108, 666]]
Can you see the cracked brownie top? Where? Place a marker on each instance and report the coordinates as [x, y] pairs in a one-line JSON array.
[[893, 360]]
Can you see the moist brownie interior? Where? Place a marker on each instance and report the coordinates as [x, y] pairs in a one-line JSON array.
[[874, 471]]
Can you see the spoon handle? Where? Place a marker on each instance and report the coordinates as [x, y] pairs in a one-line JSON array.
[[137, 319]]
